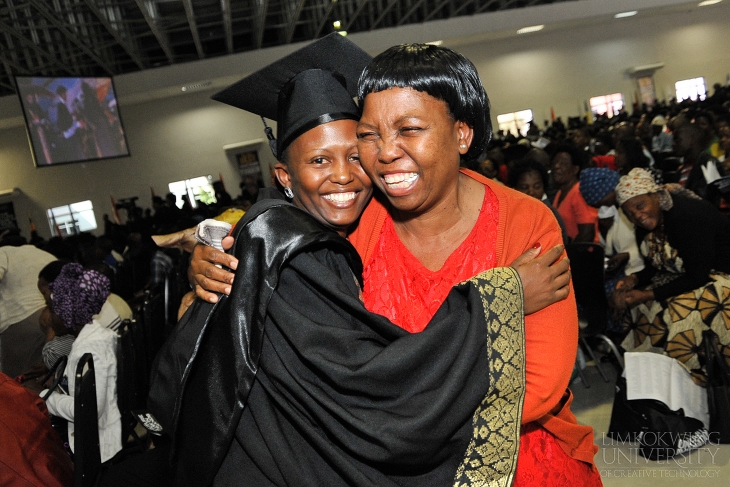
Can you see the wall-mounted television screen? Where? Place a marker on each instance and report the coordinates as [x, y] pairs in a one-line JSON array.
[[71, 119]]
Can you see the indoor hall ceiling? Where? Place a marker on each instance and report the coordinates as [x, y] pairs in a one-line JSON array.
[[70, 38]]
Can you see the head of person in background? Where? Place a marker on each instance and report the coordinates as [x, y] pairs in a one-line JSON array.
[[488, 168], [724, 135], [597, 186], [567, 164], [530, 177], [642, 199], [415, 160], [582, 138], [47, 275], [78, 295], [706, 122], [630, 154], [689, 142], [311, 98], [657, 125]]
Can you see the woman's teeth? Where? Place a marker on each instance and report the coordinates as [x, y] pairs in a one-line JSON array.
[[400, 180], [340, 197]]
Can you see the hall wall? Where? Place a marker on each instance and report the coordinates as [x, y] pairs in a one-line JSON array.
[[182, 136]]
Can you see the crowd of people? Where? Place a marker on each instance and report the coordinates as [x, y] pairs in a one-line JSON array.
[[390, 313]]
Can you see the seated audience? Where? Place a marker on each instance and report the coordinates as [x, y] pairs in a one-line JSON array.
[[688, 144], [683, 289], [78, 295]]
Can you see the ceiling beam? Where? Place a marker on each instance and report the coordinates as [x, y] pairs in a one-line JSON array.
[[410, 12], [16, 67], [74, 38], [383, 14], [462, 7], [260, 23], [227, 24], [356, 13], [193, 27], [435, 10], [133, 53], [326, 15], [487, 5], [44, 54], [291, 27], [159, 35]]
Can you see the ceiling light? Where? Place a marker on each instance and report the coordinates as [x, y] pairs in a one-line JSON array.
[[435, 43], [337, 24], [621, 15], [708, 2], [533, 28], [197, 86]]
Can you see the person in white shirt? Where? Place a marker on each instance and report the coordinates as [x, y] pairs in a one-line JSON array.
[[78, 295], [21, 339]]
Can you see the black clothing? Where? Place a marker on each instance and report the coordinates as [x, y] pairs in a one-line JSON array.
[[701, 236], [291, 381]]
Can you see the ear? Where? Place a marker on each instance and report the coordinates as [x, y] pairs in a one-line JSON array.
[[282, 174], [466, 135]]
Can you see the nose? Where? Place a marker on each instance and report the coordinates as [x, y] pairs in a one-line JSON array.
[[341, 172], [389, 149]]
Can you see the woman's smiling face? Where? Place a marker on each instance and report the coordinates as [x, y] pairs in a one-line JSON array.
[[644, 210], [323, 171], [410, 146]]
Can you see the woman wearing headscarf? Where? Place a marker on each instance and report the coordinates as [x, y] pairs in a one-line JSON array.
[[434, 225], [78, 295], [684, 288]]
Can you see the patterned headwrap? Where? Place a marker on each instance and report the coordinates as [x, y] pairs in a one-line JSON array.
[[640, 181], [596, 183], [78, 294]]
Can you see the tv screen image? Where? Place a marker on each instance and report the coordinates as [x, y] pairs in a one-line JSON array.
[[71, 119]]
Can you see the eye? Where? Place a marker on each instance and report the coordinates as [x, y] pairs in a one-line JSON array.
[[410, 130], [354, 158], [368, 136], [319, 160]]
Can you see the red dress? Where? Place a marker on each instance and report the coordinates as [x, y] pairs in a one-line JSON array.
[[399, 287]]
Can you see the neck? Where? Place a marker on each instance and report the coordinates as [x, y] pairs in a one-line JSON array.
[[566, 187]]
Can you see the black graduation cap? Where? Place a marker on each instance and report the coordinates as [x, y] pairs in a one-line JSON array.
[[307, 88]]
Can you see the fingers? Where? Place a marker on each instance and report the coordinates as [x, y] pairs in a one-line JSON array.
[[527, 256], [215, 256], [227, 243], [551, 256]]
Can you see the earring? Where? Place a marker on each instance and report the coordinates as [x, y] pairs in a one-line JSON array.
[[288, 192], [462, 146]]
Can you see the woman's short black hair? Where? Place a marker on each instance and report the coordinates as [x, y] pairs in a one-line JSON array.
[[578, 157], [525, 166], [437, 71], [634, 150]]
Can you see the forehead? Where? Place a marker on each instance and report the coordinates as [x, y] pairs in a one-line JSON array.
[[407, 100], [530, 176]]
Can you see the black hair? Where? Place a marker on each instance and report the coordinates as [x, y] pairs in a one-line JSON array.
[[578, 157], [634, 150], [439, 72], [525, 166], [51, 271]]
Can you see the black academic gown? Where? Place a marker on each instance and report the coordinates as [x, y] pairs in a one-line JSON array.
[[292, 382]]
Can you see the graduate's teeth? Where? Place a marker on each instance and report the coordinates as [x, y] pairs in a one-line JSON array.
[[340, 197], [400, 180]]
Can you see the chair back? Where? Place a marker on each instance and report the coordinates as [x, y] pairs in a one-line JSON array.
[[87, 453], [587, 271], [128, 388]]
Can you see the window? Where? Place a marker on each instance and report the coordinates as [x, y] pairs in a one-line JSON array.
[[690, 88], [609, 105], [72, 219], [516, 122], [196, 189]]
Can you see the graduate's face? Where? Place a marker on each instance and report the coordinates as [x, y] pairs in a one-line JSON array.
[[324, 173]]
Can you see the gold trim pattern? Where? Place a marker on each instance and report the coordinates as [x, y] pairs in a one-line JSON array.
[[490, 459]]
